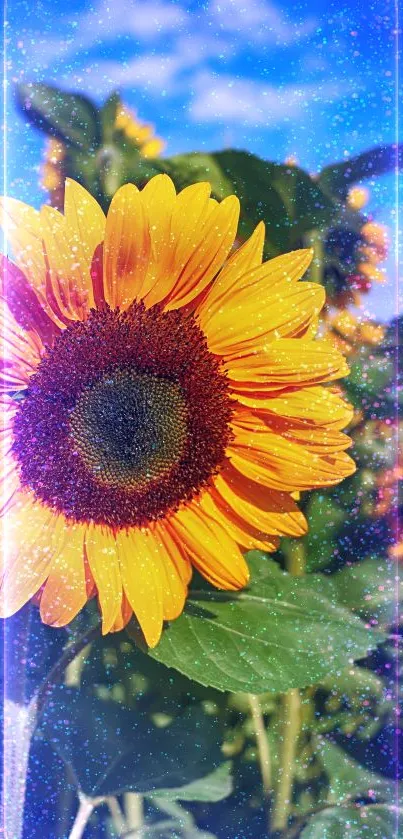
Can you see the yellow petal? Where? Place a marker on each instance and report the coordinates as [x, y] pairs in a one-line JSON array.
[[315, 406], [126, 248], [102, 555], [65, 593], [287, 362], [244, 270], [158, 198], [218, 235], [253, 319], [279, 463], [22, 228], [142, 581], [215, 554], [85, 223], [20, 352], [30, 539], [245, 534], [268, 510]]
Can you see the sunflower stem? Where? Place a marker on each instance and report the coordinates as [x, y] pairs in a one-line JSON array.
[[134, 812], [262, 743], [291, 725], [84, 812], [118, 819], [290, 705]]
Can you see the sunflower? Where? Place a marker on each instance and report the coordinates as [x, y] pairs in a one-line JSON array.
[[163, 402]]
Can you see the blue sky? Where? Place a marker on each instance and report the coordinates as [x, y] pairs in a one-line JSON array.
[[310, 79]]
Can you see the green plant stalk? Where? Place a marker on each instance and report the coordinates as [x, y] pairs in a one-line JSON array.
[[84, 812], [291, 720], [134, 813], [262, 743], [314, 240], [291, 726]]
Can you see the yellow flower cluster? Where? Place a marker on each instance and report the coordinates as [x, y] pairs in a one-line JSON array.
[[140, 133], [347, 332]]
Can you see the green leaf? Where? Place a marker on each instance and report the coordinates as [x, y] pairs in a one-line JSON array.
[[279, 633], [348, 779], [68, 116], [368, 587], [325, 518], [213, 787], [111, 748], [186, 169], [337, 178], [373, 821], [108, 115]]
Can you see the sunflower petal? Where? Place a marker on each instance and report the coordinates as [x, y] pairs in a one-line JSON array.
[[30, 536], [214, 553], [126, 248], [20, 352], [314, 406], [142, 581], [102, 554], [218, 232], [279, 463], [254, 319], [268, 510], [65, 592], [244, 270], [287, 362]]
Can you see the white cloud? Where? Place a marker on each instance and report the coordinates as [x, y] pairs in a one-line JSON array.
[[261, 19], [155, 73], [144, 19], [229, 99]]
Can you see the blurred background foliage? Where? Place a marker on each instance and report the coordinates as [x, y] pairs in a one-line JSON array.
[[288, 733]]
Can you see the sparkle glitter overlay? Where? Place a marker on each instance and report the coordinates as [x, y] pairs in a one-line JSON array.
[[126, 418]]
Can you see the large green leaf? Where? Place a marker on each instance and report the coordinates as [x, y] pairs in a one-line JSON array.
[[111, 748], [348, 779], [213, 787], [70, 117], [337, 178], [279, 633], [369, 588], [354, 822]]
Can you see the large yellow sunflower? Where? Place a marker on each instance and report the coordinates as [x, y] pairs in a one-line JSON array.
[[163, 402]]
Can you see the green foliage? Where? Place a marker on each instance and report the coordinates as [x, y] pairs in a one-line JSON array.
[[278, 634], [71, 118], [337, 179], [374, 822], [112, 749], [348, 779]]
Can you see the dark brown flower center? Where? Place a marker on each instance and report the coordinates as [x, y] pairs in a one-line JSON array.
[[127, 417], [130, 428]]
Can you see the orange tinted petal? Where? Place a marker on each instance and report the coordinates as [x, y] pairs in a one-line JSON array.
[[218, 235], [212, 551], [127, 247]]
